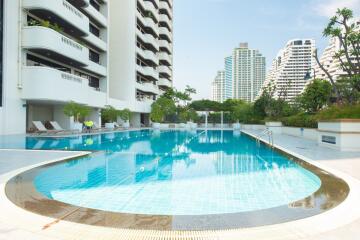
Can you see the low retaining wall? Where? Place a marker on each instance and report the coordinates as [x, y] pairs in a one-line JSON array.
[[307, 133]]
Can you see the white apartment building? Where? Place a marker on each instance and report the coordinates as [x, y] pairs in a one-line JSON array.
[[248, 73], [141, 43], [56, 51], [218, 87], [290, 68]]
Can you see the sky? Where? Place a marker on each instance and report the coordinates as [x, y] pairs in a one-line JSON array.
[[206, 31]]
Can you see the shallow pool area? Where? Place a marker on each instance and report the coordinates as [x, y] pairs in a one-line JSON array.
[[182, 180]]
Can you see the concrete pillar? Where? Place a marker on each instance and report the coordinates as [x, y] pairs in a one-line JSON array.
[[135, 120]]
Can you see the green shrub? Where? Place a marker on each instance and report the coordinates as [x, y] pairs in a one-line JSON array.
[[302, 120], [340, 111]]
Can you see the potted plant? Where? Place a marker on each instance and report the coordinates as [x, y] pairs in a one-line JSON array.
[[125, 116], [78, 113], [109, 115]]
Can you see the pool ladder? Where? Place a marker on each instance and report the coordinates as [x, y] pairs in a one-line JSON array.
[[268, 133]]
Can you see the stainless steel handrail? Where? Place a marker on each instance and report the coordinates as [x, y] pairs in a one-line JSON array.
[[268, 133]]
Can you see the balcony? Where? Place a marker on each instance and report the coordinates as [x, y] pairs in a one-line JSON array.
[[148, 55], [147, 87], [165, 31], [165, 44], [148, 72], [96, 68], [149, 6], [165, 58], [53, 44], [96, 16], [49, 84], [164, 70], [62, 12], [79, 3], [148, 24], [163, 5], [96, 42], [148, 39], [165, 19], [165, 83]]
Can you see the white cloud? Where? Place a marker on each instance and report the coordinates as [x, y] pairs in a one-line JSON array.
[[327, 8]]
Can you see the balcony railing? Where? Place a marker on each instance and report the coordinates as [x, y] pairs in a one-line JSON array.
[[49, 84], [38, 38], [69, 15]]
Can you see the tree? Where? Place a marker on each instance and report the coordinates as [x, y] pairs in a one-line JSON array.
[[79, 112], [109, 114], [188, 114], [342, 27], [349, 89], [206, 106], [244, 113], [161, 108], [125, 114], [315, 96]]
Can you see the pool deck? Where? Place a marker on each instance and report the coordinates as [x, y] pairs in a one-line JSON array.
[[342, 222]]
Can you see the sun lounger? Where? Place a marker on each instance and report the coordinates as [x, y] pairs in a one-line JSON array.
[[41, 129], [57, 127]]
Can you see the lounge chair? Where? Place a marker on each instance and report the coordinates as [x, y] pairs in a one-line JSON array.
[[40, 128], [58, 128]]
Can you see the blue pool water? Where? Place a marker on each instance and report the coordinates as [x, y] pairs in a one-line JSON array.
[[173, 173]]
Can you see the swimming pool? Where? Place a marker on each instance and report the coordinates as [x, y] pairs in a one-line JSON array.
[[183, 175]]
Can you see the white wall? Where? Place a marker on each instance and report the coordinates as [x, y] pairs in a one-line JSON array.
[[13, 113], [122, 47]]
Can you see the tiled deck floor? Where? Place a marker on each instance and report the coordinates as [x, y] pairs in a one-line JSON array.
[[16, 223], [347, 162]]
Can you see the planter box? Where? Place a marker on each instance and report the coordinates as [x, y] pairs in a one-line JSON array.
[[156, 125], [275, 127], [307, 133], [342, 134], [109, 125], [77, 126], [126, 125]]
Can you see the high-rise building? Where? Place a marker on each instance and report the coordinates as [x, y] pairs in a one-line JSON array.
[[218, 87], [228, 77], [56, 51], [249, 70], [291, 68], [141, 44]]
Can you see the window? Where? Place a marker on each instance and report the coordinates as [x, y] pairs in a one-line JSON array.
[[1, 51], [95, 5], [94, 82], [94, 30], [94, 56]]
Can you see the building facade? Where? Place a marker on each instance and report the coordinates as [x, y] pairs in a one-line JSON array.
[[218, 87], [141, 44], [292, 69], [58, 51], [228, 78], [249, 70]]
